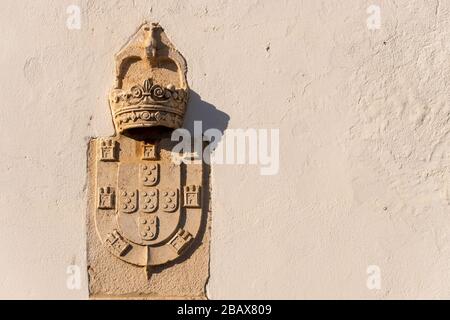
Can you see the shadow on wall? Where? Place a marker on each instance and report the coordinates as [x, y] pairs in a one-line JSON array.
[[209, 115], [211, 118]]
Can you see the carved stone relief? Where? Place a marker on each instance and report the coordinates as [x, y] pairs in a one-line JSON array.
[[146, 211]]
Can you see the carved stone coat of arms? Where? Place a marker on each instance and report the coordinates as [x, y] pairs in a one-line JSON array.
[[147, 210]]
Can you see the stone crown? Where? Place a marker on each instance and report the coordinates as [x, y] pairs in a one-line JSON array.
[[149, 105], [151, 87]]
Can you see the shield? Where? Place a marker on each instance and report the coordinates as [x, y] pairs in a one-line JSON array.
[[170, 200], [149, 200], [128, 200], [148, 205], [141, 215], [149, 174]]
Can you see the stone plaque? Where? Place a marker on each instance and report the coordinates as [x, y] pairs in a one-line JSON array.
[[147, 219]]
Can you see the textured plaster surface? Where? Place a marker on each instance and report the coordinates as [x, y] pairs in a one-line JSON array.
[[364, 141]]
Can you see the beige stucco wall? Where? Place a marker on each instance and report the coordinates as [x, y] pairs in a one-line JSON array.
[[364, 149]]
